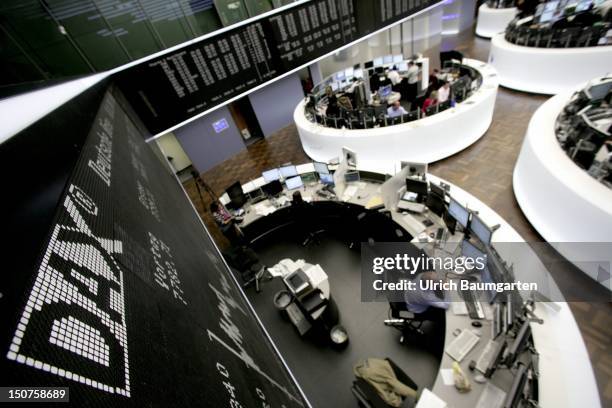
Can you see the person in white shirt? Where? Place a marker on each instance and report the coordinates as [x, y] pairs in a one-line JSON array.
[[394, 76], [444, 93], [396, 110], [412, 79]]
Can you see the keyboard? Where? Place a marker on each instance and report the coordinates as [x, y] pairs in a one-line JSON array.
[[491, 397], [410, 206], [298, 319], [462, 345], [485, 358], [474, 307]]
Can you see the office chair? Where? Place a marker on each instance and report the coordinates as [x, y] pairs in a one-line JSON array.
[[403, 320], [246, 262], [366, 394]]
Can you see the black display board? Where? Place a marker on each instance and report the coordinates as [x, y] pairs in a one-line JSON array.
[[128, 302], [172, 88]]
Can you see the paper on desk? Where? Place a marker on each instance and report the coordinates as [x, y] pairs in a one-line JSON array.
[[374, 201], [430, 400], [282, 200], [263, 208], [459, 308], [349, 192], [447, 376]]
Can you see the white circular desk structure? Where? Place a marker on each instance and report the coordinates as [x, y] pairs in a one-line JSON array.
[[562, 201], [491, 21], [547, 70], [566, 378], [425, 140]]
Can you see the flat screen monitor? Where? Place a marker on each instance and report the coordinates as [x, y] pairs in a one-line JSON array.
[[273, 188], [416, 186], [351, 176], [358, 73], [481, 230], [414, 169], [288, 171], [384, 91], [349, 72], [357, 66], [378, 62], [437, 190], [321, 167], [388, 59], [436, 204], [402, 66], [271, 175], [583, 5], [350, 157], [326, 179], [294, 182], [471, 251], [459, 213], [450, 222], [546, 16], [236, 195], [398, 58], [598, 92], [339, 75], [368, 64]]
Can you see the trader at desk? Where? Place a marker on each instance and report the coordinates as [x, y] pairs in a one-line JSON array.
[[427, 303], [396, 109]]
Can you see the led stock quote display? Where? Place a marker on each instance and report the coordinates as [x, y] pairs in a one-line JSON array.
[[130, 303], [180, 84]]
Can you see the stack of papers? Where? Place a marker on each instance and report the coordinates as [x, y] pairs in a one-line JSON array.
[[264, 208], [349, 192], [430, 400]]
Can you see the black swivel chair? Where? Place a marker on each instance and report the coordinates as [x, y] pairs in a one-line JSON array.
[[366, 394], [405, 321], [244, 260]]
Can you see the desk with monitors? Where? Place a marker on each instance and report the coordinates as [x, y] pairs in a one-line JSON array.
[[477, 228], [549, 185], [407, 137]]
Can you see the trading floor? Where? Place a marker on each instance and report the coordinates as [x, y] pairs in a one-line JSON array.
[[484, 169]]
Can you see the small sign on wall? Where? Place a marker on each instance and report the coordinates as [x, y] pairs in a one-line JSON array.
[[220, 125]]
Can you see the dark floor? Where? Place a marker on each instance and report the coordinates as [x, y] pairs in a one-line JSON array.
[[325, 374], [483, 169]]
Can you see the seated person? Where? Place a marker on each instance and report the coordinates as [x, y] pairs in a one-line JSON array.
[[396, 110], [434, 81], [432, 99], [444, 92], [226, 223], [332, 102], [345, 102], [428, 304]]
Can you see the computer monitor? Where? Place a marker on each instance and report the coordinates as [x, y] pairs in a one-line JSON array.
[[437, 190], [326, 179], [357, 66], [378, 62], [271, 175], [351, 176], [450, 222], [350, 157], [384, 91], [294, 182], [598, 92], [236, 195], [416, 186], [358, 73], [470, 250], [273, 188], [459, 213], [339, 76], [414, 169], [288, 171], [514, 396], [297, 282], [402, 66], [388, 59], [321, 168], [481, 230], [398, 58], [436, 204], [349, 72], [368, 64]]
